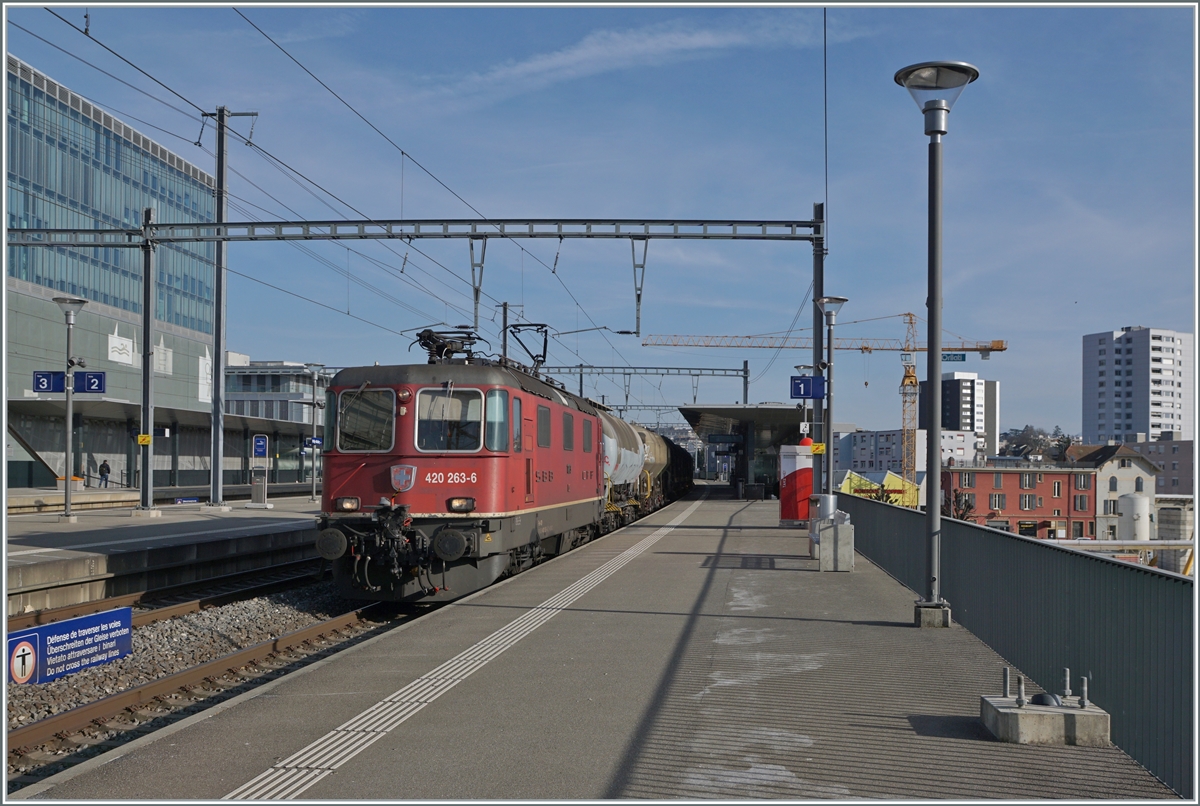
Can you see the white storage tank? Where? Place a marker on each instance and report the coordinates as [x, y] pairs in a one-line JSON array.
[[1134, 521]]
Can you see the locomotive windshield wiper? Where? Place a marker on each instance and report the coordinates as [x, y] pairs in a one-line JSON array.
[[346, 403]]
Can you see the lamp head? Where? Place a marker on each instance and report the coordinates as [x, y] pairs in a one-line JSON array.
[[70, 305], [936, 81], [831, 305]]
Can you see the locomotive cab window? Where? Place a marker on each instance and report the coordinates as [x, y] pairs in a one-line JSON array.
[[449, 419], [587, 436], [366, 420], [496, 420], [568, 432], [543, 427]]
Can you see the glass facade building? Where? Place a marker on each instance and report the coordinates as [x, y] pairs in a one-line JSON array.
[[71, 165]]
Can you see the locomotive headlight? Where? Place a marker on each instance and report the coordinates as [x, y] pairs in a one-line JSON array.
[[404, 395], [462, 504], [346, 504]]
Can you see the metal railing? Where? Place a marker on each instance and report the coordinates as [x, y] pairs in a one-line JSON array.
[[1127, 628]]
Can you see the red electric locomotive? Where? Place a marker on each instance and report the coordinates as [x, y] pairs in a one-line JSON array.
[[441, 478]]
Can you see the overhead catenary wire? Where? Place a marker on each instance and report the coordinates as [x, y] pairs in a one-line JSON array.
[[271, 158], [404, 154]]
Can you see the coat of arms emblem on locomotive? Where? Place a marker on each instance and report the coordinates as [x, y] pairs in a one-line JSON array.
[[403, 477]]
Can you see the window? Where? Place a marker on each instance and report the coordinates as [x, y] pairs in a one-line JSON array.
[[568, 436], [1083, 481], [997, 481], [1027, 481], [449, 419], [969, 499], [1028, 501], [1081, 503], [1112, 484], [1077, 530], [966, 480], [543, 427], [496, 420], [1058, 489], [1139, 485], [996, 501], [587, 436], [517, 446], [1126, 463], [1110, 507], [366, 420]]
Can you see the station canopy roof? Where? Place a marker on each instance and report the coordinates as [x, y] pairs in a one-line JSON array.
[[706, 420]]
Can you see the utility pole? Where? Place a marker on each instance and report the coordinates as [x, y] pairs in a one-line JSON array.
[[146, 432], [216, 496], [818, 427]]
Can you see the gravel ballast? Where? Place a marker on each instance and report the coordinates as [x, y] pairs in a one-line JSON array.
[[166, 647]]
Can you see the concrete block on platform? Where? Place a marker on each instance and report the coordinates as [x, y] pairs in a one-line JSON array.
[[1045, 724], [145, 513], [931, 616], [834, 546]]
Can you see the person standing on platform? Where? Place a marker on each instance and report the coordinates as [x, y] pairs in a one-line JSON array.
[[104, 470]]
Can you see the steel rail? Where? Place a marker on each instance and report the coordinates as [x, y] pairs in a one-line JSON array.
[[79, 718]]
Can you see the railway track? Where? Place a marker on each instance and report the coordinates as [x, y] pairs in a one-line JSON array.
[[47, 746], [164, 603]]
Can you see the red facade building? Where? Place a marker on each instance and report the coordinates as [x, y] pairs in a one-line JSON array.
[[1045, 502]]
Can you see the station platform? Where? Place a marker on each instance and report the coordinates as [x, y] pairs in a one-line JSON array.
[[698, 653], [109, 553], [23, 500]]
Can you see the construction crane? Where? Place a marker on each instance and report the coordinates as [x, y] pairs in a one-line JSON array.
[[909, 385]]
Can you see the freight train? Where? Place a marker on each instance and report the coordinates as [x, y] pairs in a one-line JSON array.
[[441, 478]]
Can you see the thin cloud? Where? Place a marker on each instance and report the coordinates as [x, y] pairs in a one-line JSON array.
[[605, 51]]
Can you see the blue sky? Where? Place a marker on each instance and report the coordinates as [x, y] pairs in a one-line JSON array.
[[1069, 175]]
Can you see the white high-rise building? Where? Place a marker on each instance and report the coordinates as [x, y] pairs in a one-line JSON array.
[[1137, 384]]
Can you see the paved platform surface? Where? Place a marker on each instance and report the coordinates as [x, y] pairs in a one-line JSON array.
[[696, 654], [98, 528]]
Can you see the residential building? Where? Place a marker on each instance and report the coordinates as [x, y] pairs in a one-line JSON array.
[[1032, 499], [1137, 380], [881, 450], [1175, 460], [1119, 471], [969, 403]]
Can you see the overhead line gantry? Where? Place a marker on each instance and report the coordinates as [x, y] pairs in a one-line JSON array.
[[151, 234]]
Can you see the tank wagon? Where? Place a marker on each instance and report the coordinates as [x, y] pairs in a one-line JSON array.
[[441, 478]]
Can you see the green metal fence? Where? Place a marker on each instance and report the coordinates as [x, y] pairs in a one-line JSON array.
[[1042, 607]]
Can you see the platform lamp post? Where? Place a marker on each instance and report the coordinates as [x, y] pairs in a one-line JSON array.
[[935, 86], [69, 306], [315, 369], [830, 307]]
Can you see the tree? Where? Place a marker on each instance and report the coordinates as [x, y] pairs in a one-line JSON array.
[[959, 507], [1026, 441]]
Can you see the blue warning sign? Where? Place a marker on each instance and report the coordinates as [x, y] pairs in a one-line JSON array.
[[49, 651]]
